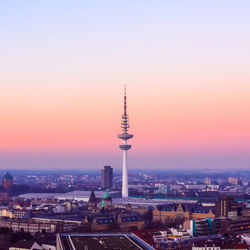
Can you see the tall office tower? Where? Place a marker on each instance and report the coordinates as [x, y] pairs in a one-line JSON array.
[[124, 147], [107, 177], [226, 206]]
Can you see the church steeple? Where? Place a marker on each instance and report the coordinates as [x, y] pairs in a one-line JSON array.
[[92, 203]]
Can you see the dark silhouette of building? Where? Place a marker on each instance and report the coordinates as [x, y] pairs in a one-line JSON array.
[[7, 181], [92, 203], [226, 206], [107, 177]]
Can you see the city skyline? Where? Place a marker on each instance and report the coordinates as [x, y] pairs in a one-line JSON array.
[[63, 67]]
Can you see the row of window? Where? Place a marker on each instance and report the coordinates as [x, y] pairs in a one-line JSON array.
[[126, 219], [104, 221]]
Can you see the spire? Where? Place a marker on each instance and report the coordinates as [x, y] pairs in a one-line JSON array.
[[106, 195], [92, 203], [125, 123], [125, 100], [92, 197]]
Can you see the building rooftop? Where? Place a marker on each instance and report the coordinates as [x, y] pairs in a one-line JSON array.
[[74, 195], [101, 241], [25, 244], [92, 198], [195, 208]]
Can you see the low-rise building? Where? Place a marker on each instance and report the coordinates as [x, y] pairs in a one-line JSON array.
[[26, 245], [28, 226], [182, 211]]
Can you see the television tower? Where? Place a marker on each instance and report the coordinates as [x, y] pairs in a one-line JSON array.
[[124, 147]]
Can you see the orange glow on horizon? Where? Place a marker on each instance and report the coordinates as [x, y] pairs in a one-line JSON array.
[[167, 118]]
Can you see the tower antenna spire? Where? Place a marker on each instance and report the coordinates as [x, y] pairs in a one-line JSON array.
[[125, 147], [125, 100]]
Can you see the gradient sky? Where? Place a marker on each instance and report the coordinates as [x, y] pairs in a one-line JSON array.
[[63, 65]]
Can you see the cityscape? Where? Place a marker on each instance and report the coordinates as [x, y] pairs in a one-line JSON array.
[[125, 125], [161, 209]]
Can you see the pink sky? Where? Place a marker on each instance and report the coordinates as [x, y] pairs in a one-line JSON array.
[[186, 66], [169, 117]]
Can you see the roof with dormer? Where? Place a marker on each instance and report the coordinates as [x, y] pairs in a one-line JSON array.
[[194, 208]]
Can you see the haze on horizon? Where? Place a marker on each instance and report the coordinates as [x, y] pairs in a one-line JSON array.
[[64, 64]]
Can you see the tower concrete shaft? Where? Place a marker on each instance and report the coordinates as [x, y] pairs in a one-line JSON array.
[[124, 147], [124, 175]]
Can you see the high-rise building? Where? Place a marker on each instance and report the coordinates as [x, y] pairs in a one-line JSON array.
[[107, 177], [124, 147], [226, 206]]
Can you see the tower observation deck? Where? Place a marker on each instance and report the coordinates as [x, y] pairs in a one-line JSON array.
[[125, 147]]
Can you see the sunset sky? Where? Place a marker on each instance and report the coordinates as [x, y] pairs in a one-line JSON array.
[[63, 66]]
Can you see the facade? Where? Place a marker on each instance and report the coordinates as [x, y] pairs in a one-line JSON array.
[[107, 177], [7, 181], [240, 226], [182, 212], [21, 214], [232, 180], [27, 226], [125, 147], [218, 225], [92, 203], [207, 181], [111, 222], [6, 213], [205, 227], [94, 222], [226, 206]]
